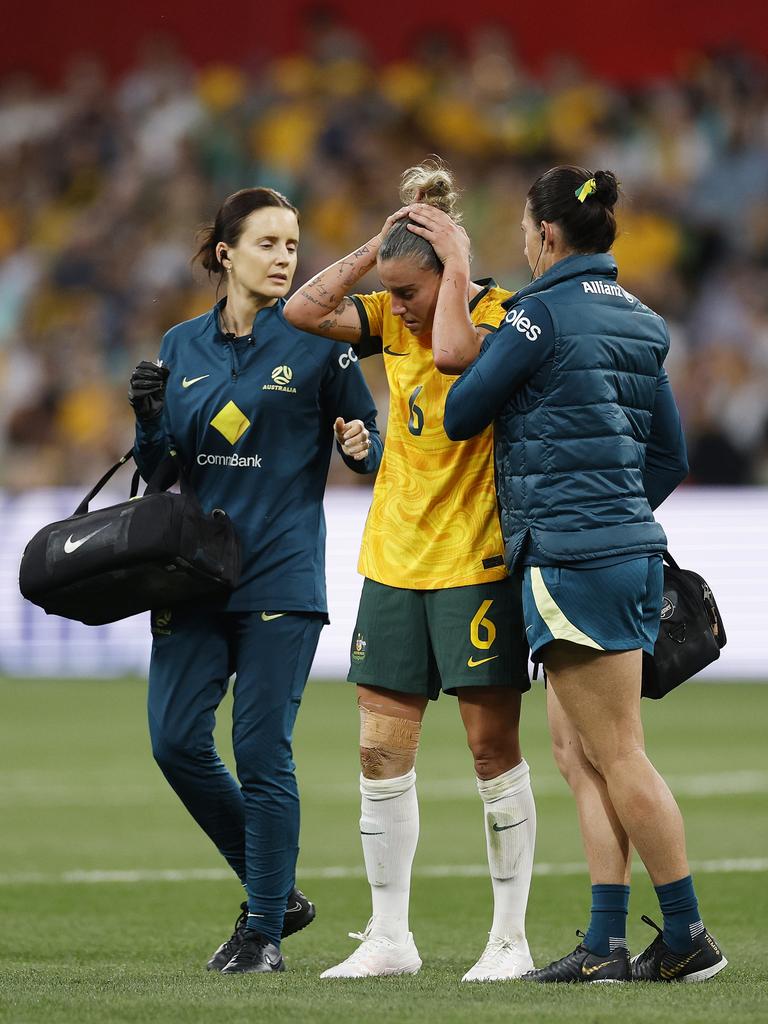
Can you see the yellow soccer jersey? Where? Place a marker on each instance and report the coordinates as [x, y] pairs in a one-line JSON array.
[[433, 521]]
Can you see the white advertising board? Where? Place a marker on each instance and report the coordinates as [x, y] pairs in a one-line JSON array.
[[722, 533]]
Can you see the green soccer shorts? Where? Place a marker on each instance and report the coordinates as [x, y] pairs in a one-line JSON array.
[[425, 641]]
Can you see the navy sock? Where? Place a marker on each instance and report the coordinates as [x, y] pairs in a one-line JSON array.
[[261, 924], [682, 921], [608, 923]]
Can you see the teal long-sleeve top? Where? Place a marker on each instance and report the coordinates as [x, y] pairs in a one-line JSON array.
[[252, 421]]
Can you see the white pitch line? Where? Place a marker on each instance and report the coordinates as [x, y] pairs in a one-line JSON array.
[[40, 791], [735, 783], [706, 867]]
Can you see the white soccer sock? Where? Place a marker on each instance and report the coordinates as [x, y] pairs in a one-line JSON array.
[[510, 834], [389, 830]]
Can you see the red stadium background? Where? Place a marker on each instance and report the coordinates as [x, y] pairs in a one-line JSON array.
[[628, 42]]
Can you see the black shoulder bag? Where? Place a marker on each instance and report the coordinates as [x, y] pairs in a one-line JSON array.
[[153, 551], [691, 632]]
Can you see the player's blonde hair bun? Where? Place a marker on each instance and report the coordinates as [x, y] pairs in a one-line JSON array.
[[431, 182], [428, 182]]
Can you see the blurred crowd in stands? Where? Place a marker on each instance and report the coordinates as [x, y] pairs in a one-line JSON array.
[[103, 184]]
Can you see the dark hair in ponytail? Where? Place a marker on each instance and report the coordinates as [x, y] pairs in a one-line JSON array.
[[587, 226], [228, 225]]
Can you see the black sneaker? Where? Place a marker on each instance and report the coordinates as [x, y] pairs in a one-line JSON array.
[[298, 914], [584, 966], [227, 949], [660, 963], [257, 955]]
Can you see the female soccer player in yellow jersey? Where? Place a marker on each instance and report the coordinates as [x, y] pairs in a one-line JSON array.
[[438, 611]]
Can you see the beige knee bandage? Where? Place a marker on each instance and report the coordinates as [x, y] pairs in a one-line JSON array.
[[388, 745]]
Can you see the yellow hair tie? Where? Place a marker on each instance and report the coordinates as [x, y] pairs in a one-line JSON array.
[[585, 190]]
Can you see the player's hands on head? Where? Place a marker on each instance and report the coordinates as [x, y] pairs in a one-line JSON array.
[[449, 239], [391, 220], [353, 438], [146, 390]]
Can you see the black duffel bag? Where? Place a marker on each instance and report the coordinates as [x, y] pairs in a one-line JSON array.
[[691, 632], [153, 551]]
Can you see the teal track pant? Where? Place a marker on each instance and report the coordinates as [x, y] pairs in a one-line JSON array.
[[254, 822]]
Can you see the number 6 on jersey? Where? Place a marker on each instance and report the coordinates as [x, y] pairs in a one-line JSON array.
[[416, 419]]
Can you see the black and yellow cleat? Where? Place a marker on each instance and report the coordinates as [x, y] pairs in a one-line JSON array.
[[660, 963], [257, 955], [582, 966]]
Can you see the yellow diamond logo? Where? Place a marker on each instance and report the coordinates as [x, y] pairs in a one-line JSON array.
[[231, 422]]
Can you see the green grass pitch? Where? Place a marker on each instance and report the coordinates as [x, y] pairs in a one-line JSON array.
[[111, 900]]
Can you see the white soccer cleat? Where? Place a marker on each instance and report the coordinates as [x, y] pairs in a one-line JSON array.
[[376, 957], [502, 959]]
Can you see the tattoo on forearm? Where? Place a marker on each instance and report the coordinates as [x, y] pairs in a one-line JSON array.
[[306, 294], [345, 303], [350, 262], [339, 310], [339, 331], [317, 293]]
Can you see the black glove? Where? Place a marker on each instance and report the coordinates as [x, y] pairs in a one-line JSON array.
[[146, 391]]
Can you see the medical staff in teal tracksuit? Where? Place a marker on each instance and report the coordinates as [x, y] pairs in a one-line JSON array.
[[251, 405]]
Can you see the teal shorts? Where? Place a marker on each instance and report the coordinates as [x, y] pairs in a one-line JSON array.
[[611, 608], [425, 641]]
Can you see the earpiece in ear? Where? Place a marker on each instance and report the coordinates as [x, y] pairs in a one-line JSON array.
[[543, 235]]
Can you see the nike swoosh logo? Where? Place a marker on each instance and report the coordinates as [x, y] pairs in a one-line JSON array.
[[389, 352], [72, 545], [481, 661], [188, 383], [675, 969], [503, 828], [528, 627], [294, 910], [267, 617], [596, 967]]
